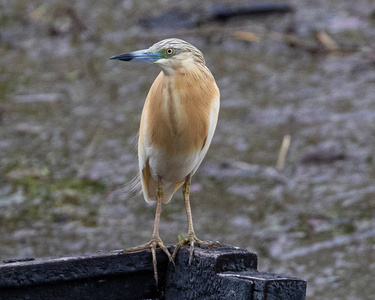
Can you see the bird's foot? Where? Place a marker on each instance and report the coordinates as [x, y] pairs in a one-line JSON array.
[[155, 242], [192, 239]]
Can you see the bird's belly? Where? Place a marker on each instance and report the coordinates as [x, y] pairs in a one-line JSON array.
[[171, 168]]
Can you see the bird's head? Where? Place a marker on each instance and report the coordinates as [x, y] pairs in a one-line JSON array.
[[170, 55]]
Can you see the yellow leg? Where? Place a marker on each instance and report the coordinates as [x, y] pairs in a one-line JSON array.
[[155, 239], [191, 237]]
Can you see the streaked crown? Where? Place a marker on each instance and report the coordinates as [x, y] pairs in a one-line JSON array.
[[173, 48]]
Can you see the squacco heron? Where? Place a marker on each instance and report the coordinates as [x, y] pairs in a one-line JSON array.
[[177, 125]]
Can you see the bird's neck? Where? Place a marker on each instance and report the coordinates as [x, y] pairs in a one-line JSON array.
[[184, 92], [183, 67], [183, 80]]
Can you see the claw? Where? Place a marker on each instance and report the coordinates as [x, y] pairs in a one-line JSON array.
[[178, 246], [155, 263], [192, 239], [191, 251], [153, 244]]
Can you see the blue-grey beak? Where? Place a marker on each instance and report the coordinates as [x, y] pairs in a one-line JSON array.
[[146, 55]]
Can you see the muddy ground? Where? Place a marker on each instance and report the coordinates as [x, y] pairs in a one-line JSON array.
[[69, 119]]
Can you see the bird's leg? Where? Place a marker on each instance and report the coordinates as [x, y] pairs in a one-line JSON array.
[[191, 237], [155, 239]]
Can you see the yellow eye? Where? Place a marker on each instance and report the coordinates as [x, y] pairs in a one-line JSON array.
[[169, 51]]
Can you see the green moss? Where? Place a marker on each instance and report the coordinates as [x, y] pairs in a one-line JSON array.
[[7, 21], [350, 37], [47, 199], [50, 187], [3, 91]]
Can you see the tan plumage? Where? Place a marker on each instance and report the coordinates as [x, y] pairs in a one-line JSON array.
[[174, 133], [177, 125]]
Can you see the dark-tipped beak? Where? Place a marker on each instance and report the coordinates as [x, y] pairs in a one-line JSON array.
[[146, 55]]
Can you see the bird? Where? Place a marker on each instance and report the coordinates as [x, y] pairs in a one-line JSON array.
[[177, 125]]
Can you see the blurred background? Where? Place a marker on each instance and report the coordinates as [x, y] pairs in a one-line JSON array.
[[297, 73]]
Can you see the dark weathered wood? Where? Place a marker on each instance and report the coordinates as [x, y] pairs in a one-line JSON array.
[[215, 273], [102, 275], [227, 273]]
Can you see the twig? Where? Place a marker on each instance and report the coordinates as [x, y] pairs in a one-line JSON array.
[[247, 36], [283, 151], [328, 43], [89, 152], [324, 43]]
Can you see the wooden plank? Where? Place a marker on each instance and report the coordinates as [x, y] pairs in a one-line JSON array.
[[102, 275], [215, 273], [228, 273]]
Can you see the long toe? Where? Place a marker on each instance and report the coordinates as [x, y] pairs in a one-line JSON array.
[[193, 240], [161, 245], [137, 248], [153, 244], [191, 251]]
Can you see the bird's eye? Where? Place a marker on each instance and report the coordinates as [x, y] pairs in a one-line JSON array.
[[169, 51]]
